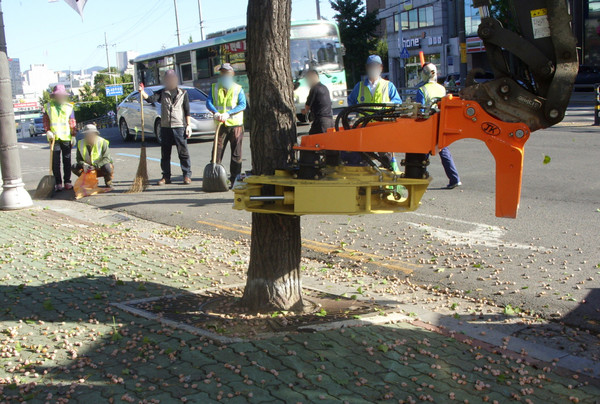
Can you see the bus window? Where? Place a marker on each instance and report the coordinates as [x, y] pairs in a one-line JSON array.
[[148, 73], [214, 54], [202, 64], [238, 62], [236, 55], [186, 72]]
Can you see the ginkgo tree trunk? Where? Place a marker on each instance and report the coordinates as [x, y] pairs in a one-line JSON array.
[[274, 271]]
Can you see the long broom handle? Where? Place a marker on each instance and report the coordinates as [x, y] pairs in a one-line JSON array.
[[142, 113], [214, 160], [51, 154]]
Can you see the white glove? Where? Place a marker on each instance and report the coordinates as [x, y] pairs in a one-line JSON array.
[[188, 131], [50, 135], [217, 117], [73, 141], [225, 117]]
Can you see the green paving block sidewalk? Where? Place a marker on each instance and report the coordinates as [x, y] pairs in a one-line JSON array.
[[61, 340]]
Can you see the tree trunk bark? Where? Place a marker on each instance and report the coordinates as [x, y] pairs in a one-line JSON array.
[[274, 272]]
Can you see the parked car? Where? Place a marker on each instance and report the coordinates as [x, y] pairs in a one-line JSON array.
[[129, 117], [36, 127]]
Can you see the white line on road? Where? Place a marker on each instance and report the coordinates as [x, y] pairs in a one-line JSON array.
[[483, 234]]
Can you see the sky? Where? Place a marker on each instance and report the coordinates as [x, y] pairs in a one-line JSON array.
[[40, 32]]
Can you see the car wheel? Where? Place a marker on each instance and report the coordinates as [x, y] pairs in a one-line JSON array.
[[157, 131], [124, 129]]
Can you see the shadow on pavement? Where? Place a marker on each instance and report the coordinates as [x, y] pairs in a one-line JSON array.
[[83, 349]]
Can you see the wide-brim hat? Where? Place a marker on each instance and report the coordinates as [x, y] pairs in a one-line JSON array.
[[59, 90], [88, 129]]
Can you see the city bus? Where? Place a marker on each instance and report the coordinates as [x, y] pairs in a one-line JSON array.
[[314, 45]]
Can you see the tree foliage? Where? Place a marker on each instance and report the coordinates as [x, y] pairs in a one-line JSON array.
[[502, 10], [93, 102], [357, 28]]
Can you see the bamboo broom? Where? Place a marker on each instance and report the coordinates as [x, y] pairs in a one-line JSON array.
[[140, 183]]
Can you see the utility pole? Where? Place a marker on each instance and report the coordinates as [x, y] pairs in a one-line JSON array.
[[318, 9], [462, 40], [177, 23], [106, 46], [201, 20], [14, 196]]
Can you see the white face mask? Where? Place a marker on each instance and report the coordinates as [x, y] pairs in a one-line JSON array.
[[373, 73]]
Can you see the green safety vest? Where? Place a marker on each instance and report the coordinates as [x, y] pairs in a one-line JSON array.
[[381, 96], [432, 91], [59, 120], [226, 101], [96, 150]]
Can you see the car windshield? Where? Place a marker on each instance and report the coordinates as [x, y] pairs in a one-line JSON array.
[[196, 95], [38, 120], [315, 47]]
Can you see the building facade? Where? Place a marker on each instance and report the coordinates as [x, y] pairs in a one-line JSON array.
[[37, 79], [413, 27], [123, 59], [431, 27], [16, 80]]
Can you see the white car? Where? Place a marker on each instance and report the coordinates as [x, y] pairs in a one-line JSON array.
[[129, 117]]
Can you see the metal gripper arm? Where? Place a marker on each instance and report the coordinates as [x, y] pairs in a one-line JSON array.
[[534, 60]]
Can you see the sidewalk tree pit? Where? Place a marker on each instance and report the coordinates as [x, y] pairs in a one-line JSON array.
[[219, 312]]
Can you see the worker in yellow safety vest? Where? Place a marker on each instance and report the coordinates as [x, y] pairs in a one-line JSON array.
[[60, 127], [227, 102], [374, 89], [93, 154], [428, 94]]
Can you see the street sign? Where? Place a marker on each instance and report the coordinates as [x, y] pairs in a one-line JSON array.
[[404, 54], [113, 91]]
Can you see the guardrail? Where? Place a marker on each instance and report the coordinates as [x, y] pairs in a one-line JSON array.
[[102, 122]]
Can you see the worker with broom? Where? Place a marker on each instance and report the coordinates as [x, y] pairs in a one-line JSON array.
[[175, 126], [227, 101], [93, 154], [61, 129]]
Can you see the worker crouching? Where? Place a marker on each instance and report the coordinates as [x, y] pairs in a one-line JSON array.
[[93, 154]]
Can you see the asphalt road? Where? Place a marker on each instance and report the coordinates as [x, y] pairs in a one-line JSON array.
[[547, 260]]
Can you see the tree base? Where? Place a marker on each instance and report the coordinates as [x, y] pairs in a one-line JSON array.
[[261, 295], [274, 272]]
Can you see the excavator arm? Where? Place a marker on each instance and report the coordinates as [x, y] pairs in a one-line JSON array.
[[534, 59]]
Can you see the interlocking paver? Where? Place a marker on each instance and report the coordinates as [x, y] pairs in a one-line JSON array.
[[58, 330]]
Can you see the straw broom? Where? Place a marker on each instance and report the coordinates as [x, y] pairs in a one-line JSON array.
[[140, 183]]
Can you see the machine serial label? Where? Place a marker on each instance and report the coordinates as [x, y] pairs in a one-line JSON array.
[[541, 23]]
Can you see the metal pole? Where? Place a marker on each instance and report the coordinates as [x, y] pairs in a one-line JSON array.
[[201, 20], [14, 196], [318, 9], [462, 40], [177, 23], [107, 56], [597, 108]]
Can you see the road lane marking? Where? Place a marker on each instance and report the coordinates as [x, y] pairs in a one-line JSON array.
[[147, 158], [324, 248], [483, 234]]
